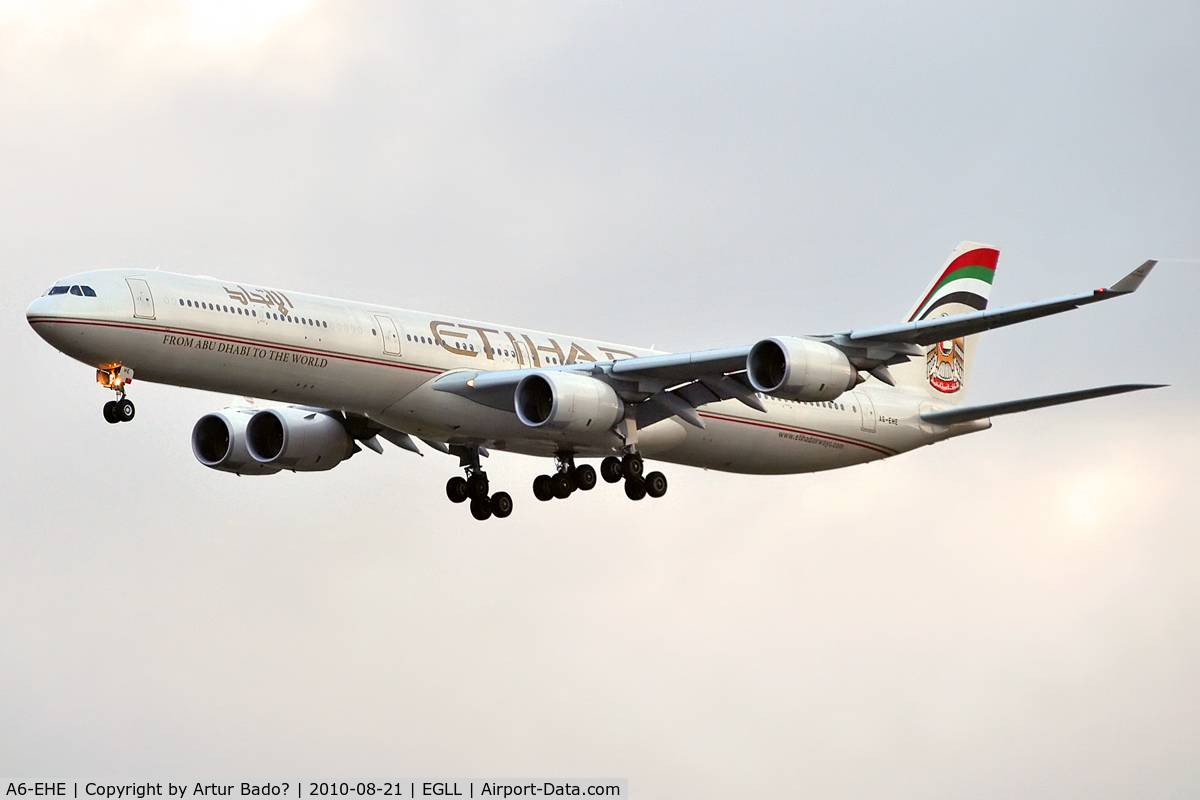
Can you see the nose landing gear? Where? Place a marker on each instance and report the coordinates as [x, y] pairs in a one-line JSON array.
[[121, 409], [475, 487]]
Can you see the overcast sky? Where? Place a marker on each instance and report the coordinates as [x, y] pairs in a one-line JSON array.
[[1014, 613]]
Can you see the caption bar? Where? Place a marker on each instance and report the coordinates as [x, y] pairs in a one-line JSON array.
[[300, 789]]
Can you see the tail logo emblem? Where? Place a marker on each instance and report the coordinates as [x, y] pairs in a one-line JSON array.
[[945, 363]]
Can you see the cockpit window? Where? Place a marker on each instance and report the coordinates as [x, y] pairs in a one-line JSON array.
[[59, 290], [88, 291], [75, 290]]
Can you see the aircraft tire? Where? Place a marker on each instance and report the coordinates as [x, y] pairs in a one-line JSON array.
[[477, 486], [456, 489], [501, 504], [656, 484], [610, 469], [541, 488], [632, 466], [561, 486], [635, 488], [110, 412], [584, 477], [481, 509]]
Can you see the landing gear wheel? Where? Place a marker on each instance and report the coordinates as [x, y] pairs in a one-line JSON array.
[[632, 466], [635, 488], [501, 504], [481, 509], [561, 485], [477, 486], [584, 477], [610, 469], [110, 412], [542, 489], [656, 484], [123, 410], [456, 489]]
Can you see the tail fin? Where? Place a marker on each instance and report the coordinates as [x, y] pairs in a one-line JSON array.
[[961, 287]]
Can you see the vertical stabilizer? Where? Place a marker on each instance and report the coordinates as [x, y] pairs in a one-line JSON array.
[[962, 286]]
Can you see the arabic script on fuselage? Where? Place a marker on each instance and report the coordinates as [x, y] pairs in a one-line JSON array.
[[264, 297]]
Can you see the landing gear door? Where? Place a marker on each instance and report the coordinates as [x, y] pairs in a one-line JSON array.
[[867, 407], [391, 335], [143, 301]]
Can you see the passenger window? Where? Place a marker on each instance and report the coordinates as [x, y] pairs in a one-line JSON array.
[[189, 302], [88, 291], [181, 301]]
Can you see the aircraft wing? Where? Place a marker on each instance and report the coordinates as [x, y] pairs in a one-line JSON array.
[[955, 415], [660, 386], [677, 384], [931, 331]]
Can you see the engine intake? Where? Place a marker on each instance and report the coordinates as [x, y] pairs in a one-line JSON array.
[[219, 442], [298, 439], [567, 401], [799, 369]]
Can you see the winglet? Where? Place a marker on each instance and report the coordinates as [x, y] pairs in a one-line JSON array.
[[1133, 280]]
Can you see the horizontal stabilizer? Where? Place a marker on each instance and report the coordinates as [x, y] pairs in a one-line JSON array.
[[969, 413]]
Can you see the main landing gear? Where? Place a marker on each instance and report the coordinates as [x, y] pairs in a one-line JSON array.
[[565, 480], [475, 487], [629, 468], [121, 409]]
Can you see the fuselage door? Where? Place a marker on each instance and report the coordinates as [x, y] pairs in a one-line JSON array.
[[867, 407], [523, 359], [391, 335], [143, 301]]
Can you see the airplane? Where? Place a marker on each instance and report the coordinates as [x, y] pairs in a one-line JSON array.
[[339, 376]]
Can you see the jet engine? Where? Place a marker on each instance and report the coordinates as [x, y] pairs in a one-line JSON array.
[[799, 369], [298, 439], [219, 442], [567, 402]]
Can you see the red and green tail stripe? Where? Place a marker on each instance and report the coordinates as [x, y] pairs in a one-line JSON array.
[[979, 264]]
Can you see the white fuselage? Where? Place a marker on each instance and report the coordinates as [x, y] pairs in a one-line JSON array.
[[380, 362]]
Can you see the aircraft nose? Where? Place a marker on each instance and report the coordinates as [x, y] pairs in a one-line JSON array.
[[41, 307], [41, 315]]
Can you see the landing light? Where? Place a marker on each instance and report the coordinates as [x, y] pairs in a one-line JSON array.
[[471, 383]]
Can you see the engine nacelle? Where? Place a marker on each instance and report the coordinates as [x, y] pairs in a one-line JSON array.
[[298, 439], [567, 401], [219, 442], [799, 369]]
